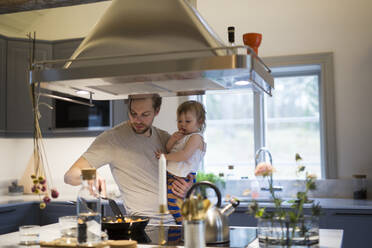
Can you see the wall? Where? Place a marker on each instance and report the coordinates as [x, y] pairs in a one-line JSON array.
[[63, 152], [292, 27], [289, 27]]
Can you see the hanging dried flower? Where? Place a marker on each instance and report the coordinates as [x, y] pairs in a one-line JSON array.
[[41, 185]]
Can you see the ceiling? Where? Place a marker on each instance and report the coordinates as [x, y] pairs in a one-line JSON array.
[[18, 17], [12, 6]]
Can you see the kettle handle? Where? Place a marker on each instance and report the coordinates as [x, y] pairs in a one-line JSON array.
[[218, 192]]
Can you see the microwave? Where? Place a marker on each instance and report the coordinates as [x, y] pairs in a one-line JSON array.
[[74, 115]]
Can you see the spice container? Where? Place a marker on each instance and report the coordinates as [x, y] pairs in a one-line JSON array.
[[359, 187]]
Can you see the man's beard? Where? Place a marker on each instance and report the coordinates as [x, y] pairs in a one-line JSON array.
[[141, 131]]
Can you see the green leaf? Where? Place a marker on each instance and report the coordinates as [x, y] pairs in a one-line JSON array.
[[292, 217], [298, 157], [316, 209], [260, 212]]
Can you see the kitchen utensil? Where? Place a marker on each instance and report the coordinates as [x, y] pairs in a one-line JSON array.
[[121, 226], [194, 233], [68, 226], [216, 221], [114, 207], [29, 235], [125, 229]]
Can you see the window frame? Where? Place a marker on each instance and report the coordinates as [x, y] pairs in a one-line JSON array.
[[327, 106]]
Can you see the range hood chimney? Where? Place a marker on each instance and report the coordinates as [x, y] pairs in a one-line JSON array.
[[141, 48]]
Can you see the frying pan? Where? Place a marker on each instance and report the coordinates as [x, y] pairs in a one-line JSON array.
[[123, 230]]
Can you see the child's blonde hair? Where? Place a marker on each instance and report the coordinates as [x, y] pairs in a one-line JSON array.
[[197, 108]]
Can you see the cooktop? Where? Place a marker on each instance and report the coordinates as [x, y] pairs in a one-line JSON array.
[[239, 236]]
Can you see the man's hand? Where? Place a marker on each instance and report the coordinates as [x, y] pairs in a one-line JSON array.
[[180, 186], [101, 186]]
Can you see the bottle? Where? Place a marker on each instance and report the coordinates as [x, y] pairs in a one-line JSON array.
[[255, 188], [231, 38], [221, 183], [230, 177], [88, 206], [360, 187]]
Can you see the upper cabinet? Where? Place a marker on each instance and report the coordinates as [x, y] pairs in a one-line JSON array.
[[19, 110], [2, 83], [16, 111]]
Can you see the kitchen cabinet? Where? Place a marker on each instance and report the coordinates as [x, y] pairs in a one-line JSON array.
[[19, 113], [54, 210], [16, 115], [11, 217], [2, 84], [356, 224], [242, 218], [29, 213]]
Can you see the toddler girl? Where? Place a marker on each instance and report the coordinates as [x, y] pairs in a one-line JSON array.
[[186, 149]]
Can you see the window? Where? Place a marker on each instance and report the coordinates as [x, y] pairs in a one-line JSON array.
[[298, 118], [230, 132]]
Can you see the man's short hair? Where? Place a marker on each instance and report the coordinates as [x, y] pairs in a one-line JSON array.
[[156, 100]]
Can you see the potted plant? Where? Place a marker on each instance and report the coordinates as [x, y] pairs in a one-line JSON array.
[[210, 177], [287, 227]]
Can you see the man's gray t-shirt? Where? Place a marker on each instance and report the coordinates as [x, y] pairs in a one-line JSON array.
[[133, 164]]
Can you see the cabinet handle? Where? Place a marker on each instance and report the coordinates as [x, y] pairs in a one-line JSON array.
[[354, 214], [7, 211]]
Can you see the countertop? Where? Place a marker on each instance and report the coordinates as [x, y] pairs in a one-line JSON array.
[[329, 238], [329, 203], [326, 203]]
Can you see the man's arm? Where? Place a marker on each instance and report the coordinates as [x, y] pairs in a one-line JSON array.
[[72, 176]]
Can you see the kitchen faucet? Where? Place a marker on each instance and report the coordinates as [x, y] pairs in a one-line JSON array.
[[257, 159]]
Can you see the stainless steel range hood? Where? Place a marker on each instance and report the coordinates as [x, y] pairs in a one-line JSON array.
[[140, 47]]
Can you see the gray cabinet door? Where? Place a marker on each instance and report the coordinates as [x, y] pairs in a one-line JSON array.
[[2, 84], [19, 116], [355, 223], [119, 112]]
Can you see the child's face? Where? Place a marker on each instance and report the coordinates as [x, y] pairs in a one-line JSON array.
[[187, 123]]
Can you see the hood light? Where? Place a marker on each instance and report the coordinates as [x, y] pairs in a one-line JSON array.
[[82, 92], [241, 83]]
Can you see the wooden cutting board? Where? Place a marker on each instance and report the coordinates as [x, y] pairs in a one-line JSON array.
[[62, 242]]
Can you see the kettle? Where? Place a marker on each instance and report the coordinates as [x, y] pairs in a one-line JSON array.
[[216, 221]]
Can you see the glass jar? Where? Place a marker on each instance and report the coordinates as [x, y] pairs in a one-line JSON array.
[[359, 187], [88, 207], [282, 232]]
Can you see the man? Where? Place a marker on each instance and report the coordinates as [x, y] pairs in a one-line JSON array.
[[129, 149]]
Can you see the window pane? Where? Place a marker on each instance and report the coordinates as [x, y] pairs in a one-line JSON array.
[[293, 125], [229, 133]]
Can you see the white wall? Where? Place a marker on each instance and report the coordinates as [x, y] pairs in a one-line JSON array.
[[292, 27], [63, 152], [289, 27]]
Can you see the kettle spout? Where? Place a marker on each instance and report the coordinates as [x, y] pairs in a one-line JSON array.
[[230, 208]]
